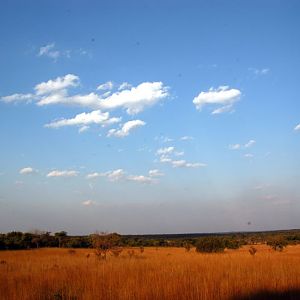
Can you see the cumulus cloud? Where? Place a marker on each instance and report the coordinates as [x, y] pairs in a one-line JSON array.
[[56, 85], [84, 119], [126, 128], [249, 155], [27, 171], [64, 173], [105, 86], [18, 98], [297, 127], [223, 96], [133, 99], [136, 99]]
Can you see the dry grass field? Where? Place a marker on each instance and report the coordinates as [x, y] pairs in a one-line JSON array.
[[163, 273]]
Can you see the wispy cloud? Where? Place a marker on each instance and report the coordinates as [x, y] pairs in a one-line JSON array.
[[186, 138], [14, 98], [155, 173], [89, 203], [263, 71], [106, 86], [167, 156], [297, 127], [126, 128], [49, 51], [63, 173], [121, 175], [249, 144]]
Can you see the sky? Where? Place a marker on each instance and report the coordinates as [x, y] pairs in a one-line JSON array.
[[149, 116]]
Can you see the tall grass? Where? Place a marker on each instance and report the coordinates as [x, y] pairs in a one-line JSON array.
[[169, 273]]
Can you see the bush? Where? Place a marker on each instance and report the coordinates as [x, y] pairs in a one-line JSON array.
[[277, 244], [210, 245]]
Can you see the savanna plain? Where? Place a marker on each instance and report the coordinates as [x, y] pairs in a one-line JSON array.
[[151, 273]]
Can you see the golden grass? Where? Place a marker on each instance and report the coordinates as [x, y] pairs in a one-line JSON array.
[[166, 273]]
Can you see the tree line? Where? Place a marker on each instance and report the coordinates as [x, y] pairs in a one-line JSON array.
[[204, 242]]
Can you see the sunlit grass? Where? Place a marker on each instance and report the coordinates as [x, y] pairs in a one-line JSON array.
[[163, 273]]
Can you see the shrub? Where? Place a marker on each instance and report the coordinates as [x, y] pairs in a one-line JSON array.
[[252, 251], [210, 245], [277, 244]]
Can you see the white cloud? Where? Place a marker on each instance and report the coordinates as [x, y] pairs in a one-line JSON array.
[[95, 175], [185, 164], [169, 150], [155, 173], [133, 99], [56, 85], [120, 174], [18, 98], [221, 96], [116, 175], [49, 51], [297, 127], [57, 173], [105, 86], [250, 144], [126, 128], [140, 178], [88, 203], [166, 150], [249, 155], [61, 97], [165, 158], [136, 99], [27, 170], [84, 119], [239, 146]]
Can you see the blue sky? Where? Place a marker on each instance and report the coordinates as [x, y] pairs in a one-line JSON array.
[[149, 116]]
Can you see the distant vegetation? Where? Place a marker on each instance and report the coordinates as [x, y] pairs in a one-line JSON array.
[[203, 242]]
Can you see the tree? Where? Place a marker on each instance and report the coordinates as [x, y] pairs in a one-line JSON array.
[[210, 245], [60, 236]]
